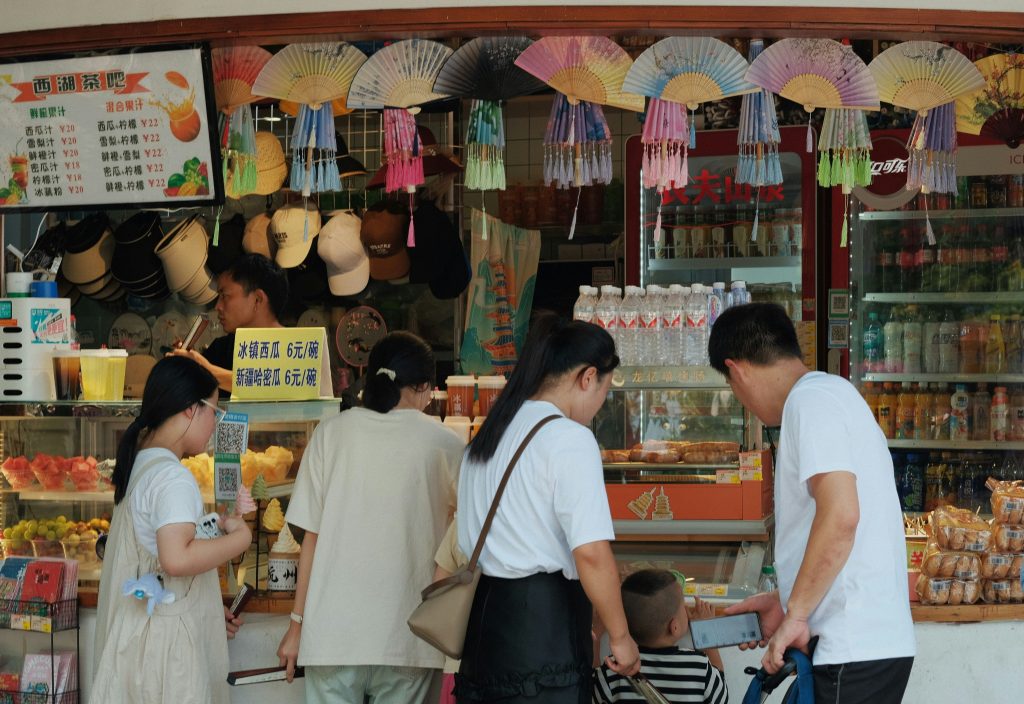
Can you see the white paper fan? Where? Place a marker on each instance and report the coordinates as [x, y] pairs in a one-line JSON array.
[[401, 75], [311, 74], [921, 75]]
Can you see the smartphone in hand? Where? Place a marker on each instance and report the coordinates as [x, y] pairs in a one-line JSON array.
[[725, 630], [199, 326]]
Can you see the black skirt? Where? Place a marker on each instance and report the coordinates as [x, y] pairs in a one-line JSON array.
[[528, 640]]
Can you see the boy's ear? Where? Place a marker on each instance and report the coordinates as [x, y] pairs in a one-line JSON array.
[[675, 627]]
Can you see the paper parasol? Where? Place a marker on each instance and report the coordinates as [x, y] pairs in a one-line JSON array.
[[238, 153], [401, 75], [1001, 100], [921, 75], [484, 68], [577, 145], [314, 152], [234, 71], [758, 137], [932, 148], [338, 107], [311, 74], [665, 139], [485, 147], [587, 69], [816, 73], [403, 151], [845, 148]]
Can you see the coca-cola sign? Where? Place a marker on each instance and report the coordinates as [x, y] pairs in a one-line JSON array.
[[888, 165]]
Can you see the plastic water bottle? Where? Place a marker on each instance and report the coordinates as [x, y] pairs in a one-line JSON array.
[[912, 338], [738, 294], [650, 327], [768, 582], [585, 306], [696, 326], [673, 328], [949, 343], [930, 343], [716, 302], [892, 334], [873, 344], [606, 312], [629, 321]]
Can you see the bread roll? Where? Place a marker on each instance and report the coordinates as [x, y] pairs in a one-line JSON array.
[[956, 593], [972, 591]]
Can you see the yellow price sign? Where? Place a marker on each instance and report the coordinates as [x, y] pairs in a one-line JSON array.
[[280, 364]]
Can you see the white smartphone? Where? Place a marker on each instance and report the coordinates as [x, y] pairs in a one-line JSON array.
[[725, 630]]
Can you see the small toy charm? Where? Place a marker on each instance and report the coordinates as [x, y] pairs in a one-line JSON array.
[[149, 587]]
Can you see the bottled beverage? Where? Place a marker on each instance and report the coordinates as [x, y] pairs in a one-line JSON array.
[[910, 260], [949, 343], [672, 326], [905, 411], [696, 326], [1017, 414], [887, 411], [650, 327], [738, 294], [923, 419], [995, 348], [1014, 348], [1000, 256], [960, 404], [965, 496], [940, 413], [629, 321], [971, 352], [933, 476], [999, 415], [981, 409], [741, 230], [962, 259], [73, 339], [929, 270], [912, 338], [606, 312], [945, 255], [585, 305], [887, 269], [911, 483], [870, 393], [768, 582], [873, 358], [892, 342], [981, 264], [1010, 468], [930, 342], [1015, 267], [716, 302]]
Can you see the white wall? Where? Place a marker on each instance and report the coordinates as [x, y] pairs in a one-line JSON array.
[[47, 14]]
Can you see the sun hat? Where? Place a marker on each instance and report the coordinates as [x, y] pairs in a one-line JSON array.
[[89, 252], [183, 252], [135, 262], [271, 167], [94, 287], [434, 161], [439, 258], [293, 228], [197, 284], [383, 234], [229, 245], [339, 245], [257, 239]]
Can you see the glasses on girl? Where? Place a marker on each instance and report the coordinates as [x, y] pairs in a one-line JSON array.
[[217, 411]]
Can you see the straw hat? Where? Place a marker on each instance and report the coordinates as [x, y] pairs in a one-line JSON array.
[[198, 287], [293, 228], [183, 252], [271, 167], [257, 239]]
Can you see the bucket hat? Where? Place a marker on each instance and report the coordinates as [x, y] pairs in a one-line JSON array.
[[134, 259], [439, 258], [198, 286], [257, 239], [293, 228], [271, 167], [383, 234], [94, 287], [90, 250], [229, 245], [183, 252], [434, 161], [348, 267]]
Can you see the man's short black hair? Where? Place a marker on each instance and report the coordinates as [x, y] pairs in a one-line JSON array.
[[759, 333], [255, 272], [650, 602]]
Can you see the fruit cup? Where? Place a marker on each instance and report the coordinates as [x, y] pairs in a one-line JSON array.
[[81, 548], [84, 474], [15, 546], [49, 472], [18, 472], [41, 547]]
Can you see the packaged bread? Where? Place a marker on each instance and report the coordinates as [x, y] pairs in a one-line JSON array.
[[1008, 538], [933, 591], [1002, 591], [996, 565], [711, 453], [1015, 567], [951, 564], [659, 456], [1007, 501], [614, 456], [654, 451], [958, 529]]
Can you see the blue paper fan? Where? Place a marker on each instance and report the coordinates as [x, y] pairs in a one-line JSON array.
[[484, 68], [401, 75]]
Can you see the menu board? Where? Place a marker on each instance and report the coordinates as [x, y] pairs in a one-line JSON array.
[[124, 129]]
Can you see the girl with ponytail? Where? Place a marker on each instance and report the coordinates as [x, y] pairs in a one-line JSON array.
[[374, 494], [547, 562], [171, 649]]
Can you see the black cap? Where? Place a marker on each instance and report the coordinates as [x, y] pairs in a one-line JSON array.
[[438, 259]]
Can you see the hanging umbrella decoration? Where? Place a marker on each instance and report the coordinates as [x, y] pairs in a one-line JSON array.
[[997, 109], [845, 155], [759, 137], [932, 163], [485, 147], [398, 79], [665, 140]]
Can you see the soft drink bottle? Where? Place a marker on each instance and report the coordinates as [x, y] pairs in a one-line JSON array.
[[1012, 338], [672, 326], [949, 343], [999, 415], [959, 405], [606, 312], [696, 326], [892, 340], [995, 348], [923, 419], [930, 343], [650, 327], [1017, 414], [941, 412], [911, 483], [905, 412], [873, 359], [912, 338], [887, 411], [981, 409], [870, 393], [585, 306], [629, 320]]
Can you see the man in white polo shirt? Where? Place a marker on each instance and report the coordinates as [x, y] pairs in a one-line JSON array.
[[839, 545]]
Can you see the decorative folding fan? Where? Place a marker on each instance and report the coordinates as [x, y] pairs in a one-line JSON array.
[[485, 68], [401, 75], [921, 75], [845, 147], [238, 152], [234, 72], [485, 147], [689, 70], [314, 151], [759, 137], [311, 74], [996, 109], [666, 140], [589, 69], [338, 107]]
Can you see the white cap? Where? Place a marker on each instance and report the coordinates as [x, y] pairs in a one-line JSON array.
[[348, 266], [675, 288], [616, 290], [697, 288], [584, 289], [607, 288], [688, 290], [653, 289], [293, 228], [592, 290], [739, 284], [718, 284]]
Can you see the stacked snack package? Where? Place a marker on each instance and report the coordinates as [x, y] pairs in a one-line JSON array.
[[1001, 567], [952, 567]]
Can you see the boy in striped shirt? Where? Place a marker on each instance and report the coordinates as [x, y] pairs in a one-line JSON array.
[[658, 618]]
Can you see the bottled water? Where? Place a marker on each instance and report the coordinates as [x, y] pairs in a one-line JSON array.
[[716, 302], [768, 582], [650, 327], [629, 322], [673, 328], [738, 294], [912, 339], [873, 359], [606, 312], [696, 326], [586, 305], [892, 342]]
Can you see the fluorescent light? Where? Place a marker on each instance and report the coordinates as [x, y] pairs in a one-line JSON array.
[[270, 119]]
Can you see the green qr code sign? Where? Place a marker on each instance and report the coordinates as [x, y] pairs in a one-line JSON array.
[[6, 310]]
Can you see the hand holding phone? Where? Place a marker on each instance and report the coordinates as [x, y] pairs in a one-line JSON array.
[[199, 326], [726, 630]]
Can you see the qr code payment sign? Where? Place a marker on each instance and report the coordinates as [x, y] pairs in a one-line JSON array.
[[232, 434], [227, 472]]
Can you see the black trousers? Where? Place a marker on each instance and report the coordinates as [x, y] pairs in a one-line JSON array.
[[528, 642], [867, 682]]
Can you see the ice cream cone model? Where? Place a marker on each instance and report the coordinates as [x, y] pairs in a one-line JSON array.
[[273, 517], [259, 488], [244, 503], [283, 565], [641, 504], [662, 509]]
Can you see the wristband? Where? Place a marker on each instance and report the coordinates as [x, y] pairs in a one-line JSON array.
[[295, 617]]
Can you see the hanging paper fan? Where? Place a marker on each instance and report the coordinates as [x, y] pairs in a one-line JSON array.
[[921, 75], [577, 145], [932, 148], [401, 75], [485, 68], [310, 74], [1000, 100], [758, 137], [338, 107], [238, 152], [234, 72], [589, 69], [314, 152], [689, 70], [485, 147]]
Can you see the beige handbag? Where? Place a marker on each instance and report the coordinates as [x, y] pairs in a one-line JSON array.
[[443, 615]]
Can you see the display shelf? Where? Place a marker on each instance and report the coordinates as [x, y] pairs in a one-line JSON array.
[[632, 466], [967, 613], [65, 496], [258, 411], [668, 378], [940, 214], [955, 445], [693, 531], [945, 378], [976, 297], [711, 263]]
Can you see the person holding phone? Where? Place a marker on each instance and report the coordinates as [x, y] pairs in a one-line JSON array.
[[839, 544], [177, 653], [547, 562]]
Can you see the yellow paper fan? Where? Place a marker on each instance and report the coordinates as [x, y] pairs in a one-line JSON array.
[[1004, 90], [235, 69], [310, 74], [921, 75]]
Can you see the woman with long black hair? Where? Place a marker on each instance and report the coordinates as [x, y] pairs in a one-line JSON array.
[[171, 645], [547, 562]]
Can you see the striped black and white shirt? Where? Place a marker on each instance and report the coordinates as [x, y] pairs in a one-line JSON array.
[[683, 676]]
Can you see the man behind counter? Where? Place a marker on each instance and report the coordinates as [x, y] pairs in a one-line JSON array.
[[252, 293]]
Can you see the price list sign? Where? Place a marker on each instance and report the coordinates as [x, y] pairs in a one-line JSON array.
[[123, 129]]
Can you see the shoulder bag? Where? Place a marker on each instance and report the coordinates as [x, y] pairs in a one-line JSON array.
[[443, 615]]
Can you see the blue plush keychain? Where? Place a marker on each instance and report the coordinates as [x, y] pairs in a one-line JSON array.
[[149, 587]]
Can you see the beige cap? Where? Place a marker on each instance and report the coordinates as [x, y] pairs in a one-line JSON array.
[[196, 288], [293, 228], [92, 264], [257, 239], [271, 167], [183, 252], [348, 267]]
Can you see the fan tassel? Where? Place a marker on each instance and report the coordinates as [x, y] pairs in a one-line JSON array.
[[810, 136], [216, 227], [757, 215], [846, 224], [657, 222], [693, 131], [483, 220], [575, 212], [410, 240]]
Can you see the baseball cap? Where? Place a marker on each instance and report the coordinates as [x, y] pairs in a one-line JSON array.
[[383, 234], [339, 245], [257, 239], [438, 259], [293, 228]]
